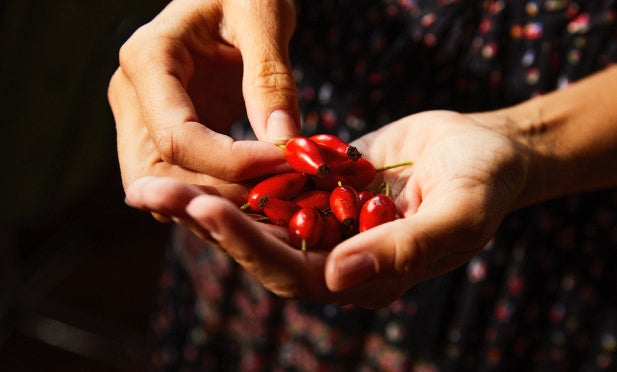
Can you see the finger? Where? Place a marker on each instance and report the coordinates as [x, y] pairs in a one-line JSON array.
[[262, 31], [160, 82], [169, 197], [162, 196], [409, 250], [161, 218], [261, 249], [137, 154]]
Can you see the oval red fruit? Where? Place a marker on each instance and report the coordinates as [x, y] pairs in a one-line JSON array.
[[344, 206], [332, 232], [277, 210], [305, 228], [284, 186], [359, 173], [319, 199], [306, 156], [364, 196], [336, 147], [376, 211]]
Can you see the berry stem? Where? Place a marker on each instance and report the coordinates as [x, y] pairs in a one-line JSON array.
[[396, 165]]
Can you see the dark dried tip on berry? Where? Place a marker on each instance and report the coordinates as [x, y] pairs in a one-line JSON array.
[[349, 224], [323, 170], [353, 153], [262, 202]]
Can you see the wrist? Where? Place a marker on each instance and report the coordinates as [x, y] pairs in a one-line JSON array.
[[533, 129], [568, 136]]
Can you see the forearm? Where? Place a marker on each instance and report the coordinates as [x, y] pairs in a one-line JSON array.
[[570, 136]]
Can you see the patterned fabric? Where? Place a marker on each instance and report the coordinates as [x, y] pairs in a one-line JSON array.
[[542, 296]]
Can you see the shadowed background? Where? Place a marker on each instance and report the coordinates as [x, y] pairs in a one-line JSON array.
[[78, 268]]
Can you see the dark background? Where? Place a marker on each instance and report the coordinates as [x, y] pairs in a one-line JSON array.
[[78, 268]]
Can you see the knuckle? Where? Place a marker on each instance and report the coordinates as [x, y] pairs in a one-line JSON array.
[[233, 172], [127, 52], [163, 139], [135, 51], [273, 77]]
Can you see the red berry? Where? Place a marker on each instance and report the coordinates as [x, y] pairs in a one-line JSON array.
[[306, 156], [305, 228], [377, 210], [336, 147], [364, 196], [277, 210], [358, 174], [344, 205], [332, 232], [283, 186], [319, 199]]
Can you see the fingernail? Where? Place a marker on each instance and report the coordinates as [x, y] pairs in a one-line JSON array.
[[280, 127], [355, 269]]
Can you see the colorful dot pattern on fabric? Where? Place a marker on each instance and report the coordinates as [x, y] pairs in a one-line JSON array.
[[541, 296]]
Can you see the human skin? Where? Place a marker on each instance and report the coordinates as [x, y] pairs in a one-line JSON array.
[[469, 171], [185, 77], [189, 74]]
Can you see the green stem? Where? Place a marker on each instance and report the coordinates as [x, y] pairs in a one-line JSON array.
[[396, 165], [262, 219], [378, 189]]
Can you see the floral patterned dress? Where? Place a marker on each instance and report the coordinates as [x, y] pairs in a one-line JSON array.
[[541, 296]]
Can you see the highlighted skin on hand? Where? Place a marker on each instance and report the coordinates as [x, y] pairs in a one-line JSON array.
[[464, 179], [189, 74]]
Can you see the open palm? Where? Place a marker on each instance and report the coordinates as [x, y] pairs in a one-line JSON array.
[[464, 179]]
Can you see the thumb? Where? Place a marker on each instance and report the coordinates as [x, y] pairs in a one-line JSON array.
[[262, 31], [405, 252]]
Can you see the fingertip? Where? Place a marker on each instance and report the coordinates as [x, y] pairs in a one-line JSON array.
[[133, 192], [280, 127], [350, 270], [198, 206]]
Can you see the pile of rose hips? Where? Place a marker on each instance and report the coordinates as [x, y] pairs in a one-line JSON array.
[[324, 199]]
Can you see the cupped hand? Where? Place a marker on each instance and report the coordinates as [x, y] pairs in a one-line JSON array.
[[189, 74], [464, 179]]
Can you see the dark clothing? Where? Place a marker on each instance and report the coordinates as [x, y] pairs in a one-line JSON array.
[[542, 295]]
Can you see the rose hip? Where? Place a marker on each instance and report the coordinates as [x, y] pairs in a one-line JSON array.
[[284, 186], [277, 210], [306, 156], [319, 199], [357, 174], [305, 228], [377, 210], [364, 196], [336, 147], [332, 232], [344, 205]]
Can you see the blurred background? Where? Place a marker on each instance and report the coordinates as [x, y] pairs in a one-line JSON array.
[[78, 268]]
